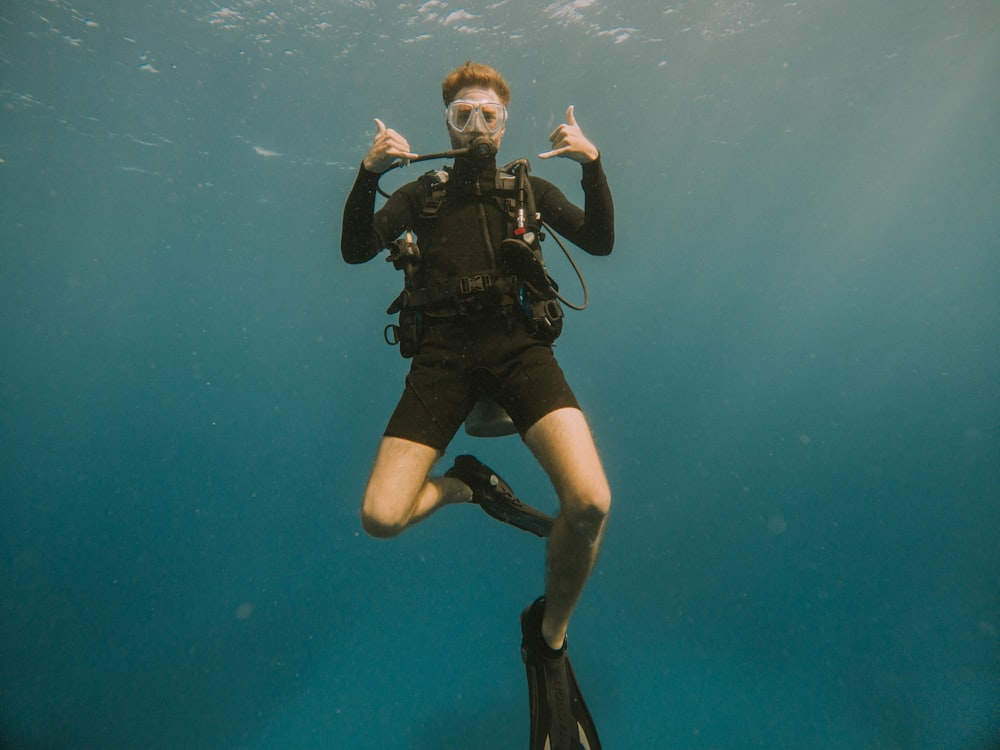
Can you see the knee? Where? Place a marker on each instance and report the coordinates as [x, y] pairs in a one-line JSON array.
[[587, 512], [379, 528], [379, 522]]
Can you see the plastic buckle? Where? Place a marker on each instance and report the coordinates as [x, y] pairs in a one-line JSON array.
[[470, 284]]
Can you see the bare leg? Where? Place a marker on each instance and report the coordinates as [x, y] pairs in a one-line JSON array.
[[399, 492], [564, 446]]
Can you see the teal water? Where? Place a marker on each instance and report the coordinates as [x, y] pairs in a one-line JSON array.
[[790, 362]]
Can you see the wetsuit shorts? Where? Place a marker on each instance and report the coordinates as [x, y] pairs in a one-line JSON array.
[[461, 358]]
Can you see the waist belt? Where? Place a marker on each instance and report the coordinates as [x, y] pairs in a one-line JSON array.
[[460, 296]]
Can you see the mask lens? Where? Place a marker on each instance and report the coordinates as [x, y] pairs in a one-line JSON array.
[[460, 114], [492, 116]]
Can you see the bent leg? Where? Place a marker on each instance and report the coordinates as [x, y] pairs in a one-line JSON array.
[[563, 444], [399, 492]]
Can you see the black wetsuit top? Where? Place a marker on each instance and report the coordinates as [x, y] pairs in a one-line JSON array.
[[453, 243]]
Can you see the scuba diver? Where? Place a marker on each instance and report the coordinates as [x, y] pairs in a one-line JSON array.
[[479, 314]]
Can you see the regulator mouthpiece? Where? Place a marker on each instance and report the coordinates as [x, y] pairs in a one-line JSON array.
[[481, 150]]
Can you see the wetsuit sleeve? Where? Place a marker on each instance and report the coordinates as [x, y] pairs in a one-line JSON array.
[[364, 231], [592, 228]]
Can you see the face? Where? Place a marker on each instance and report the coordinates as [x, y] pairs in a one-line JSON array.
[[478, 125]]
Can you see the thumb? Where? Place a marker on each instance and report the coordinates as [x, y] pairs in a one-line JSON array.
[[379, 127], [570, 119]]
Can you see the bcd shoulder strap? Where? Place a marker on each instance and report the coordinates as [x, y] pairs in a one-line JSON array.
[[433, 186], [512, 190]]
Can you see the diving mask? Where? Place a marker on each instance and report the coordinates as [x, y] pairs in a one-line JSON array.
[[461, 113]]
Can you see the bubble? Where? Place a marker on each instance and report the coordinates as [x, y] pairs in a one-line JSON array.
[[777, 524]]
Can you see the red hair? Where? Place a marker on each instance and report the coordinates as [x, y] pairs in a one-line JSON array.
[[474, 74]]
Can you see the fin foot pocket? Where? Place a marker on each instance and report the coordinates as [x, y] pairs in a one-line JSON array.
[[496, 498]]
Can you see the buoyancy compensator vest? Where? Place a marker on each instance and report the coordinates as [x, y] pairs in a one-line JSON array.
[[519, 277]]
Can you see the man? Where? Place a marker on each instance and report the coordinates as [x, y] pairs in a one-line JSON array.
[[474, 340]]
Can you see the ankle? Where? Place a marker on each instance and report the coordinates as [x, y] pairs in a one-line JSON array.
[[453, 491], [556, 642]]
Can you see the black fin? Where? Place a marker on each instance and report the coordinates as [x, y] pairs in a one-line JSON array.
[[559, 716]]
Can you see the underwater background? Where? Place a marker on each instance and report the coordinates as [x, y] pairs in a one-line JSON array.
[[791, 363]]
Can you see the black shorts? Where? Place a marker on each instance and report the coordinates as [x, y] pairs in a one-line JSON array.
[[459, 359]]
